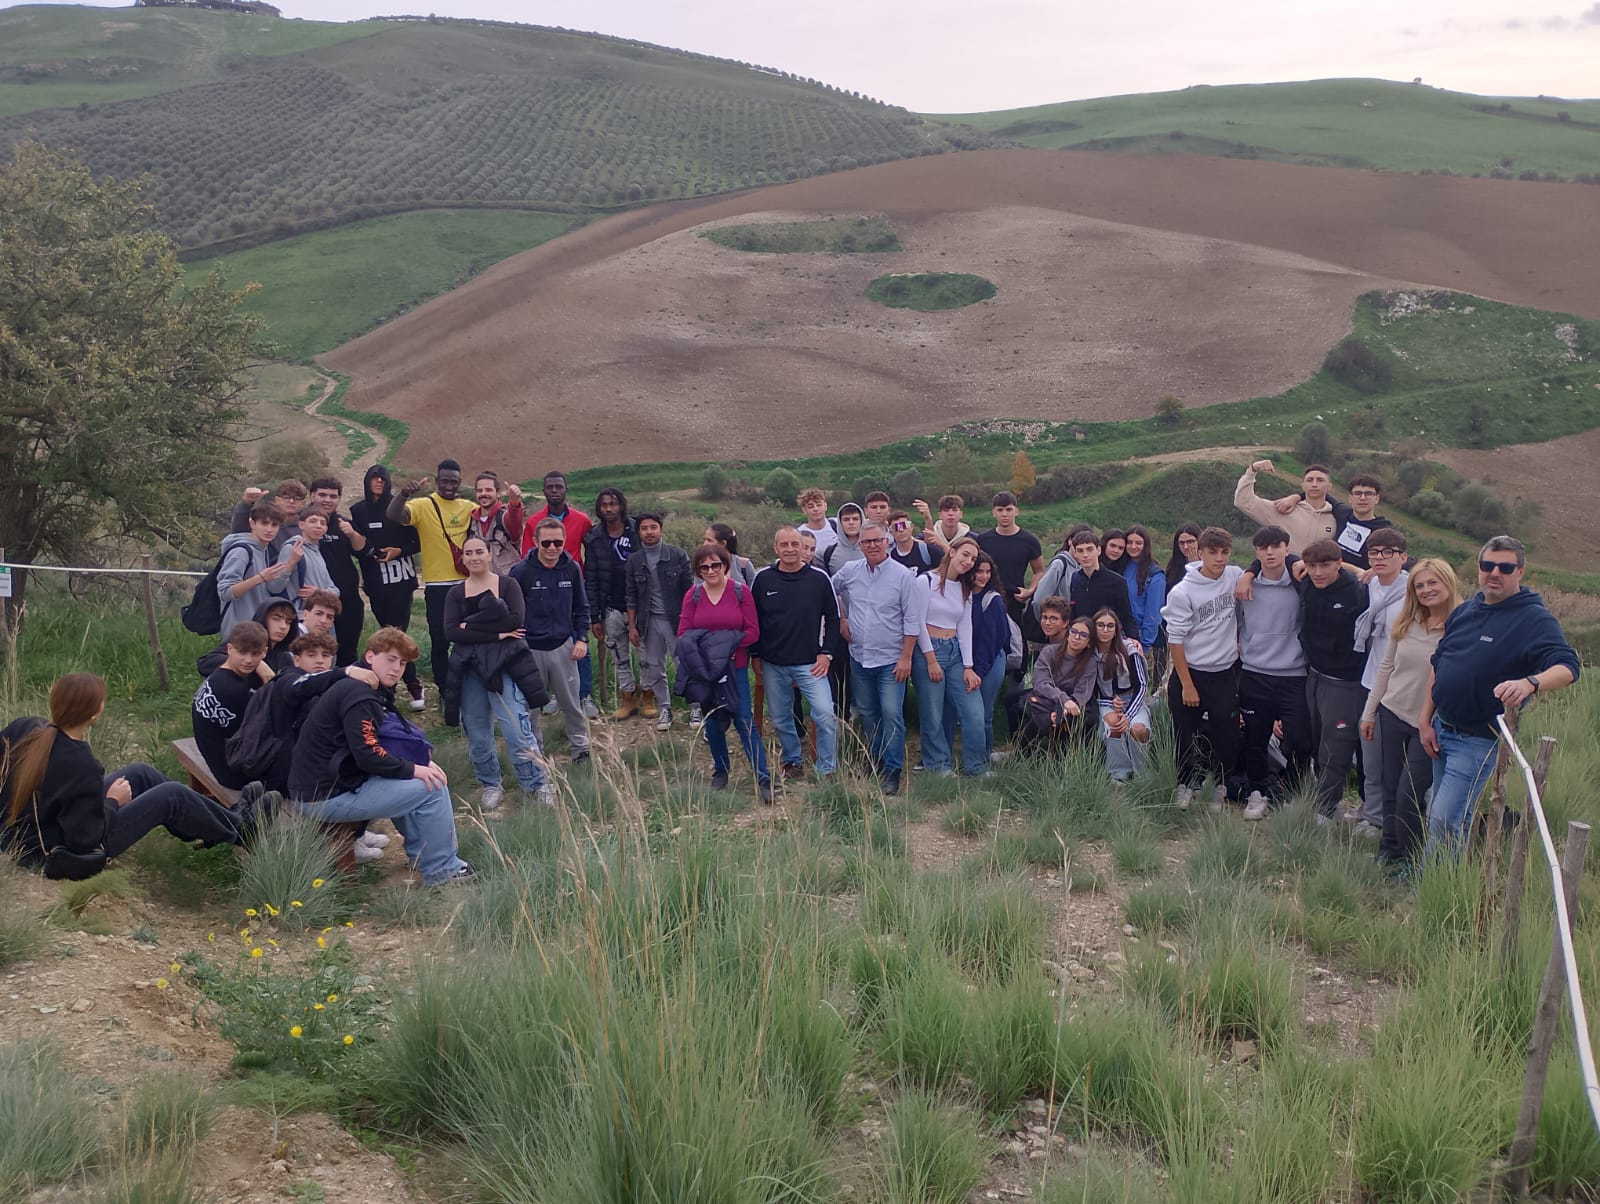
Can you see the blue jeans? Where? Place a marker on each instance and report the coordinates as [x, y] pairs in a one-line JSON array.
[[781, 682], [716, 730], [481, 708], [1125, 756], [1459, 776], [935, 697], [993, 678], [880, 700], [586, 673], [422, 816]]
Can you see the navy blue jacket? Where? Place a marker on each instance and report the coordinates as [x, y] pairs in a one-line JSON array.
[[555, 603], [1485, 645]]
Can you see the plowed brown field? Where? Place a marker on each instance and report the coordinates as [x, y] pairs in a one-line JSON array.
[[1121, 279]]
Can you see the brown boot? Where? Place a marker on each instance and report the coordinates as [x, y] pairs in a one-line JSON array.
[[647, 704], [627, 704]]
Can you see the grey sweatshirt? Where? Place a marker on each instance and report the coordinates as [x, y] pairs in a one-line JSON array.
[[1202, 617], [243, 557], [1269, 629]]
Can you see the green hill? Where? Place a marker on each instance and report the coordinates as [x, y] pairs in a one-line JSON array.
[[252, 127], [1337, 123]]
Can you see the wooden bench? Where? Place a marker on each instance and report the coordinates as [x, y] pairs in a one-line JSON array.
[[201, 779]]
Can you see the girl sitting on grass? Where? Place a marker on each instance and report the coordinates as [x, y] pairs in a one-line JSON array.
[[1121, 688]]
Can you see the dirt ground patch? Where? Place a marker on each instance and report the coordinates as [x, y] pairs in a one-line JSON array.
[[1558, 474], [1121, 278]]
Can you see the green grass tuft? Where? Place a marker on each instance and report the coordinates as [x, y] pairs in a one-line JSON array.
[[930, 290], [48, 1129], [166, 1115], [1161, 907], [290, 869], [932, 1152]]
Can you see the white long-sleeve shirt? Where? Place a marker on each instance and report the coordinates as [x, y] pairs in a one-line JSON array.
[[948, 609]]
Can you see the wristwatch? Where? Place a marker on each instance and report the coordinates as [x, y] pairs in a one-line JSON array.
[[1534, 682]]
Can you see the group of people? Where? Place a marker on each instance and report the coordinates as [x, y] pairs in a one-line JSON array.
[[1333, 650]]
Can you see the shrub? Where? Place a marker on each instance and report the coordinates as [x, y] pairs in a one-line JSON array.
[[933, 1154], [1356, 365], [1478, 511], [1064, 482], [1169, 411], [289, 875], [861, 486], [1313, 445], [1023, 475], [1431, 506], [781, 487], [906, 486], [713, 483], [299, 458]]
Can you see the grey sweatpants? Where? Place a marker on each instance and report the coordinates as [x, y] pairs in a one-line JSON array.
[[560, 673], [1336, 727], [659, 636], [616, 624], [1374, 799]]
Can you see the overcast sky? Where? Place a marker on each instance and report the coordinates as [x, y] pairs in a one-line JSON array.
[[945, 56]]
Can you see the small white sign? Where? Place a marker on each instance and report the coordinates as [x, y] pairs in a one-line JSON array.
[[5, 583]]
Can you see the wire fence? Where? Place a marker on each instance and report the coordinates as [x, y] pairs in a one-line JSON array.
[[69, 568]]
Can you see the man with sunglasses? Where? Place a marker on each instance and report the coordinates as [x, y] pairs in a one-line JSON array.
[[1498, 650], [556, 624]]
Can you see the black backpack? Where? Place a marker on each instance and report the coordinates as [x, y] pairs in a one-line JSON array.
[[203, 615], [255, 746]]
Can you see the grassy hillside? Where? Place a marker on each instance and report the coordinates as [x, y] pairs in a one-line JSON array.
[[358, 120], [1338, 122], [320, 289]]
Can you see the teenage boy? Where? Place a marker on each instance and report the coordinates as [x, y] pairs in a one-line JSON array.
[[919, 555], [949, 526], [1093, 587], [303, 556], [290, 497], [321, 613], [302, 682], [1385, 547], [248, 576], [1355, 521], [1014, 551], [1498, 650], [389, 563], [577, 526], [605, 554], [813, 504], [1272, 677], [556, 620], [1332, 602], [657, 576], [875, 506], [441, 520], [219, 703], [1310, 519], [498, 524], [1202, 620], [846, 545], [341, 549], [883, 615], [344, 773], [798, 617]]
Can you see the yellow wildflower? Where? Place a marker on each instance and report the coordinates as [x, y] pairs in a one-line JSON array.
[[322, 942], [211, 936], [316, 883], [256, 952], [251, 911], [334, 998], [349, 1039], [349, 923], [161, 984], [295, 1031], [271, 910], [319, 1007], [175, 967], [296, 903], [272, 942]]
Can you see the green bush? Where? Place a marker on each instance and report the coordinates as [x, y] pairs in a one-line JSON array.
[[1431, 506], [1169, 411], [781, 487], [1356, 365], [1313, 445], [713, 483], [906, 486]]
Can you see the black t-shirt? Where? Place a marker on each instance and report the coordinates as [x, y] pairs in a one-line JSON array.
[[217, 711], [923, 557], [1012, 554]]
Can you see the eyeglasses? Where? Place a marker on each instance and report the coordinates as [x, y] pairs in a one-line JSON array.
[[1385, 553], [873, 543], [552, 543], [1105, 626], [1506, 568], [1077, 633], [1363, 493]]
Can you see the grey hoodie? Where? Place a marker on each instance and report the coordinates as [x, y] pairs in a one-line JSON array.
[[242, 557], [1202, 616], [1269, 629], [846, 550]]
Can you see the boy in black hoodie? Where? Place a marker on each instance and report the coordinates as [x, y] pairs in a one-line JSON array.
[[1332, 600], [388, 563], [219, 703], [281, 624]]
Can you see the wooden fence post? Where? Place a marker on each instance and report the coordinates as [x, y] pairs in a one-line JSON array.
[[1516, 871], [150, 622], [1492, 832], [1544, 1022]]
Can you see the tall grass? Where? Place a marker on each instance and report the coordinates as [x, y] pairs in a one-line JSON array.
[[290, 873], [1234, 986], [932, 1152], [166, 1115], [49, 1131]]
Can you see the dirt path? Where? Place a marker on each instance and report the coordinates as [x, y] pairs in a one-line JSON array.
[[380, 442]]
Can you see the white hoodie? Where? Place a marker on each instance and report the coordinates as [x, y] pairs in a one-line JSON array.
[[1202, 617]]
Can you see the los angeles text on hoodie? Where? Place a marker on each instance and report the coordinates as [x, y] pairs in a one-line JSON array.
[[1202, 615]]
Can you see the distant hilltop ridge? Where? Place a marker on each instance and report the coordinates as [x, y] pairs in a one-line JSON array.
[[227, 6]]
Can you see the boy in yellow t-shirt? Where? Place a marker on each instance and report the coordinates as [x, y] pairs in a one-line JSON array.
[[441, 519]]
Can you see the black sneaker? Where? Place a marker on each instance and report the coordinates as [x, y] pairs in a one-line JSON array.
[[891, 783], [248, 810], [579, 757], [719, 780], [462, 876], [793, 771], [764, 789]]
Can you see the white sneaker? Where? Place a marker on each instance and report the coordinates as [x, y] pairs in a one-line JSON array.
[[418, 703], [364, 853], [1255, 806], [999, 755], [547, 795], [491, 798], [590, 711], [373, 840], [664, 722], [1183, 798]]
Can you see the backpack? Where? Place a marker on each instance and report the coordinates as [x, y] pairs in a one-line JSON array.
[[203, 615], [1031, 629], [255, 745], [738, 591]]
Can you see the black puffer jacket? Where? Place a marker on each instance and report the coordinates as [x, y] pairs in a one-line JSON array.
[[603, 573], [476, 647], [705, 668]]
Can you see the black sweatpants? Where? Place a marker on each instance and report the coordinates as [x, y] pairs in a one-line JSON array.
[[391, 607], [1208, 734], [347, 627], [433, 597], [1336, 707], [1407, 775], [159, 802], [1265, 699]]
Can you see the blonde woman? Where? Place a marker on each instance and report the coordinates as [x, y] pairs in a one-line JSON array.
[[944, 673], [1394, 706]]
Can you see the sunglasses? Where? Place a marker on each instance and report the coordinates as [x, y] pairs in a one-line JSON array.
[[552, 543], [1506, 568], [710, 566]]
